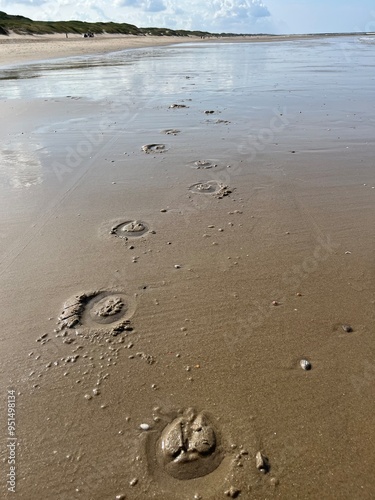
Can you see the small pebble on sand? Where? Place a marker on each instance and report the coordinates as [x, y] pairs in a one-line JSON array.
[[261, 462], [347, 328], [232, 492], [305, 364]]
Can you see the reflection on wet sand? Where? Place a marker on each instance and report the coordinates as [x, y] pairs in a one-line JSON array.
[[20, 166]]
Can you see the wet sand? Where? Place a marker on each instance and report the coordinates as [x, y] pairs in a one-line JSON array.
[[25, 48], [157, 304]]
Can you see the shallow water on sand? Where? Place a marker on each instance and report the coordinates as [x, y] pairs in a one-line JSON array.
[[159, 363]]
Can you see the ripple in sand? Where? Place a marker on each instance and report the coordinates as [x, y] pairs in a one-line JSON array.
[[130, 229], [210, 187], [97, 310], [154, 148]]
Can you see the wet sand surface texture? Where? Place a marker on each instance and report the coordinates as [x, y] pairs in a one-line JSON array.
[[191, 319]]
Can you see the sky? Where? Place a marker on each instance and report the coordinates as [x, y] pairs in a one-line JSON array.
[[236, 16]]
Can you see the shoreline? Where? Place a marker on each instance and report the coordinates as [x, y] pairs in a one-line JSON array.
[[32, 48], [25, 48]]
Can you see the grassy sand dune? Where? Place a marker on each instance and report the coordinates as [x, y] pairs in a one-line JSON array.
[[24, 26]]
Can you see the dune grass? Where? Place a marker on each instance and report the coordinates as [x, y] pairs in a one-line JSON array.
[[25, 26]]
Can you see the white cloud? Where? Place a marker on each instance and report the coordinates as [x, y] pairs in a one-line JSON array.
[[258, 9], [245, 16], [26, 2], [146, 5], [233, 9], [155, 6]]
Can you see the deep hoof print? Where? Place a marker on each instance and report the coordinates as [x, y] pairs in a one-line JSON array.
[[108, 309], [154, 148], [130, 229], [204, 164], [211, 187], [171, 131], [189, 446], [178, 106], [104, 311], [185, 449]]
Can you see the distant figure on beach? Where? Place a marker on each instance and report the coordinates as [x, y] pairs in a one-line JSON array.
[[66, 34]]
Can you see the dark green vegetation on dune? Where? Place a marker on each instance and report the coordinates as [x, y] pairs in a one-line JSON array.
[[25, 26]]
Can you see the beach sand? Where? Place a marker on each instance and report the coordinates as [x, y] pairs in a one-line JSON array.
[[22, 48], [257, 248], [25, 48]]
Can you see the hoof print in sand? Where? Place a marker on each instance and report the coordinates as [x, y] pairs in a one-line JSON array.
[[211, 187], [108, 309], [129, 229], [178, 106], [154, 148], [189, 446], [97, 310], [204, 164], [171, 131]]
